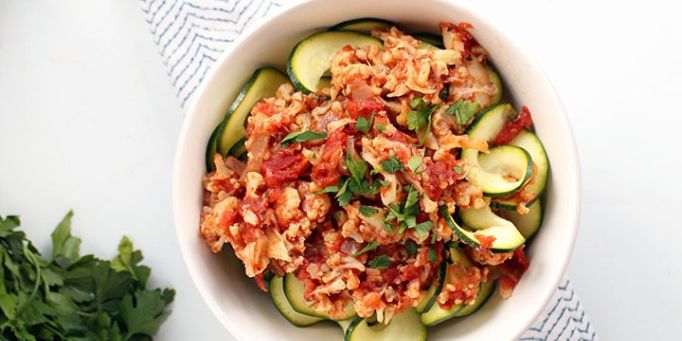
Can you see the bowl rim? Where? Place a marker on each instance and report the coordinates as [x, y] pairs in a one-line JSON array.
[[213, 75]]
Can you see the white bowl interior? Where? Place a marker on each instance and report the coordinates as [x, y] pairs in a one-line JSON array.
[[247, 313]]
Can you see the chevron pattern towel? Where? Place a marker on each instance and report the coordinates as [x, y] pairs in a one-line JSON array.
[[191, 35]]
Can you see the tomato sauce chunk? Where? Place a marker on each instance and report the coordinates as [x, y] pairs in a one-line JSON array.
[[514, 127]]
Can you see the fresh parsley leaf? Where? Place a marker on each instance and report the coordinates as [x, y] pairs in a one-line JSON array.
[[432, 254], [411, 248], [463, 111], [147, 312], [423, 228], [419, 118], [414, 163], [73, 297], [362, 125], [381, 262], [357, 168], [391, 165], [65, 247], [302, 136], [458, 169], [368, 211], [328, 189], [381, 128], [373, 245], [412, 198], [344, 195]]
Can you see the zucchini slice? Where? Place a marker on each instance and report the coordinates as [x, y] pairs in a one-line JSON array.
[[532, 144], [344, 324], [212, 148], [312, 56], [436, 314], [431, 294], [293, 289], [263, 83], [484, 292], [505, 169], [404, 327], [487, 224], [280, 300], [362, 25], [527, 224], [430, 40], [494, 77], [238, 149]]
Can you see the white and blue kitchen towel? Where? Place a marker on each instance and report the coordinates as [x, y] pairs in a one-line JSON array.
[[191, 35]]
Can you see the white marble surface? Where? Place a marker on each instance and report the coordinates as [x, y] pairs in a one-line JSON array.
[[88, 121]]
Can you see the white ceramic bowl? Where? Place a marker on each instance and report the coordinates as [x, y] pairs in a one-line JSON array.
[[246, 312]]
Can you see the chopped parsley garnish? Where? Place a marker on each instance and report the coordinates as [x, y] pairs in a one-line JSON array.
[[432, 254], [328, 189], [406, 214], [368, 211], [458, 170], [373, 245], [424, 228], [381, 128], [362, 125], [381, 262], [414, 163], [302, 136], [357, 168], [344, 195], [419, 118], [463, 111], [391, 165], [411, 248]]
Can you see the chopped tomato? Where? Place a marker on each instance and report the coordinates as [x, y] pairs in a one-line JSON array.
[[410, 272], [258, 205], [263, 107], [512, 271], [261, 284], [283, 166], [439, 175], [228, 218], [485, 241], [325, 172], [514, 127], [363, 107]]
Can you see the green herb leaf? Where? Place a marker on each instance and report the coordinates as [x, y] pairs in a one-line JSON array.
[[381, 262], [381, 128], [73, 297], [344, 195], [419, 118], [64, 245], [414, 163], [368, 211], [423, 229], [458, 170], [411, 248], [357, 168], [391, 165], [328, 189], [373, 245], [463, 111], [432, 254], [302, 136], [362, 125]]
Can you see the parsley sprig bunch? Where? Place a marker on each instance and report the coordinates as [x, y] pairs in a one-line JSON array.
[[74, 297]]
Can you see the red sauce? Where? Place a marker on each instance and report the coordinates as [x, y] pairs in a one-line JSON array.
[[227, 186], [258, 205], [513, 269], [325, 172], [228, 218], [261, 284], [439, 176], [363, 107], [283, 166], [514, 127], [485, 241]]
